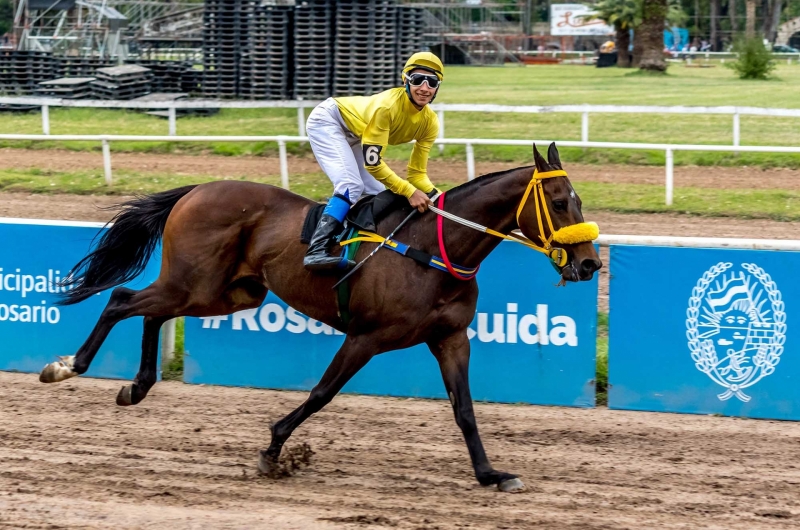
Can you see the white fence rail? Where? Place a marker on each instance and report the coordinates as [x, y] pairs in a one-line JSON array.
[[440, 108], [469, 143], [700, 242]]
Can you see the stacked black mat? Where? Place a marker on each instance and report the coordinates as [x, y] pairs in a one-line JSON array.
[[82, 66], [266, 60], [410, 31], [170, 76], [225, 24], [22, 71], [314, 30], [253, 49], [365, 54], [308, 49], [128, 81], [67, 88]]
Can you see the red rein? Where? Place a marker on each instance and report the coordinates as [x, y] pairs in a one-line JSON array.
[[440, 234]]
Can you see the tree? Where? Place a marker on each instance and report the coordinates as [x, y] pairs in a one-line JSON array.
[[754, 60], [750, 20], [623, 16], [651, 30], [714, 20], [732, 16], [772, 18], [6, 16]]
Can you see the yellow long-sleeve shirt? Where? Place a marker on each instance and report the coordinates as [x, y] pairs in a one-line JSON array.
[[389, 118]]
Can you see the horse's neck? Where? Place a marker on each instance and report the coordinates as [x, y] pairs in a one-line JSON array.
[[493, 204]]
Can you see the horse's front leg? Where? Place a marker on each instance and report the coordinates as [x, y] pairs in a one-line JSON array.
[[351, 357], [453, 356]]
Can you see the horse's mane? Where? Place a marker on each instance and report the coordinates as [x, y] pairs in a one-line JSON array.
[[477, 182]]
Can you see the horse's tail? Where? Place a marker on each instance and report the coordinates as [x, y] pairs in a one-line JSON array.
[[122, 252]]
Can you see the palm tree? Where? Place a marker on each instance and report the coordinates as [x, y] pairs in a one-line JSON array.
[[750, 20], [623, 16], [651, 30]]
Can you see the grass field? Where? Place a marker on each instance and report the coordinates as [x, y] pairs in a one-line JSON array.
[[601, 359], [539, 85], [780, 205]]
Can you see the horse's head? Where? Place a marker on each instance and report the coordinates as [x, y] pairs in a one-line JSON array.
[[550, 213]]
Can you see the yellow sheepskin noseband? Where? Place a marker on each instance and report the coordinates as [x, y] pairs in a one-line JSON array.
[[577, 233]]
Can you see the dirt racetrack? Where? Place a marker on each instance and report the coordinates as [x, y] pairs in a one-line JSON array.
[[185, 458]]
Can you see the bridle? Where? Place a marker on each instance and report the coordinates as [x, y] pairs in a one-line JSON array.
[[566, 235]]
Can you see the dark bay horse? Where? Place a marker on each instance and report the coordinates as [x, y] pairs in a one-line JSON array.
[[225, 244]]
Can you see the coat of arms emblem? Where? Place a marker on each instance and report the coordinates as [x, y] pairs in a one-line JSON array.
[[736, 326]]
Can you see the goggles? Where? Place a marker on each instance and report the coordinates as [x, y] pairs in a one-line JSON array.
[[418, 79]]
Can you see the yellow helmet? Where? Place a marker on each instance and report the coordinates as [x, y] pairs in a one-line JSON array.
[[425, 60]]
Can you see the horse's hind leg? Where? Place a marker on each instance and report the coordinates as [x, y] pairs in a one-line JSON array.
[[116, 310], [153, 301], [148, 369], [453, 356], [351, 357]]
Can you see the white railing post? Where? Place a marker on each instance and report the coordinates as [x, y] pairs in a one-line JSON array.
[[441, 130], [173, 121], [107, 161], [736, 129], [168, 342], [45, 119], [670, 178], [470, 162], [301, 120], [585, 126], [284, 164]]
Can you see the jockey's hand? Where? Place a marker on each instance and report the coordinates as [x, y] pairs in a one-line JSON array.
[[420, 201]]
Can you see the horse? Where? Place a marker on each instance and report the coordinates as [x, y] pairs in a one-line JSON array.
[[225, 244]]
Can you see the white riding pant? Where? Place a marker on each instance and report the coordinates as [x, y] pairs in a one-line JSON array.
[[338, 152]]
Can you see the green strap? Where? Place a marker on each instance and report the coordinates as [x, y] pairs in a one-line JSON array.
[[343, 291]]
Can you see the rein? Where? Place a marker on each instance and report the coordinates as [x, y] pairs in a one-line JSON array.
[[572, 234]]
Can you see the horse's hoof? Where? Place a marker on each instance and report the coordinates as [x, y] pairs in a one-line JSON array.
[[266, 466], [58, 371], [512, 485], [124, 398]]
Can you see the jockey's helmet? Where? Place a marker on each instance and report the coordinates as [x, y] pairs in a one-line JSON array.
[[426, 61]]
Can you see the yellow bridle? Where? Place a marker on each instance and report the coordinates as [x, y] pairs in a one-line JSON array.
[[567, 235]]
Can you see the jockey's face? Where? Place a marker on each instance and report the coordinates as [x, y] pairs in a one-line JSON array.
[[422, 94]]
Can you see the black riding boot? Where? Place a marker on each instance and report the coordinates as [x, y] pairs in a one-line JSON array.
[[317, 257]]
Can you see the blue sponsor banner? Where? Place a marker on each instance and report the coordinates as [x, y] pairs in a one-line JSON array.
[[705, 331], [34, 256], [531, 342]]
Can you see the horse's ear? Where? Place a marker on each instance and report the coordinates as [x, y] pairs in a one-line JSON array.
[[541, 163], [552, 156]]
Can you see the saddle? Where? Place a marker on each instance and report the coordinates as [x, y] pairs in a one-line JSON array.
[[364, 215]]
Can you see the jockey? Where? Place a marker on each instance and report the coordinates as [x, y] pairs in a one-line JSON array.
[[348, 136]]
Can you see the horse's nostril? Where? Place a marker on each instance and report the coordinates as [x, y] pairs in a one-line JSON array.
[[588, 266]]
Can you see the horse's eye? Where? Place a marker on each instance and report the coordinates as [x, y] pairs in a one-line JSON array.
[[560, 205]]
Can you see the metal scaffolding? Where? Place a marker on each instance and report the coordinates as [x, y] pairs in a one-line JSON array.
[[471, 31], [87, 28]]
